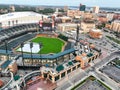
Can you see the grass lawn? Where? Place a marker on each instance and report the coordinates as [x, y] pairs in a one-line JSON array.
[[117, 62], [50, 45], [114, 39]]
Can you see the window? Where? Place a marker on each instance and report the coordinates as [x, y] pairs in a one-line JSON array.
[[50, 77], [45, 75], [57, 78], [78, 65], [68, 71], [74, 68], [63, 74]]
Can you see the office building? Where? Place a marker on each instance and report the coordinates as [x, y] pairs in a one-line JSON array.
[[67, 27], [96, 9], [65, 8], [95, 33], [115, 26], [116, 16], [82, 7], [74, 13], [12, 9], [110, 16], [87, 25], [88, 15]]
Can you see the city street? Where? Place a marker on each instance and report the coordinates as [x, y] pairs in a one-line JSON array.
[[80, 74]]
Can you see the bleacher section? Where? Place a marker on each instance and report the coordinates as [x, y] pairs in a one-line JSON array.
[[16, 31], [14, 43], [16, 35]]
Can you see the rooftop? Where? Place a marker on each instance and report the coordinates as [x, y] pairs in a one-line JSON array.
[[4, 52], [60, 68], [68, 24], [96, 30], [117, 21], [37, 56], [90, 54], [5, 64], [19, 14]]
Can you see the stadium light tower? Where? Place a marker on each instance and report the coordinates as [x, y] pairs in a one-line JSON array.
[[6, 47], [42, 18], [77, 36], [31, 46], [40, 46], [77, 31], [22, 45]]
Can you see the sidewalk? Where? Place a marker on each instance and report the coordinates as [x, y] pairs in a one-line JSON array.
[[71, 80]]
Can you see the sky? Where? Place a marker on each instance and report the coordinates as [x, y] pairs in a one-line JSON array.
[[101, 3]]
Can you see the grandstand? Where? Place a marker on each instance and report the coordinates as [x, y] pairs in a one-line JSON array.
[[21, 33], [16, 35], [14, 43]]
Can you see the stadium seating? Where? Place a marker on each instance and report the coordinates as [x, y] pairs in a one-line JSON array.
[[17, 34]]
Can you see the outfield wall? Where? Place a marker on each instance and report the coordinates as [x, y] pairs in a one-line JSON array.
[[47, 35]]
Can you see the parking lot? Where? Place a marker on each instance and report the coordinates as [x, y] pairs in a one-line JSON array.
[[91, 85], [112, 71]]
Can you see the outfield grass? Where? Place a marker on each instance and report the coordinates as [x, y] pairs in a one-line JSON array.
[[50, 45]]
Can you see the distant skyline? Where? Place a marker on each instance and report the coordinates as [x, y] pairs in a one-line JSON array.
[[101, 3]]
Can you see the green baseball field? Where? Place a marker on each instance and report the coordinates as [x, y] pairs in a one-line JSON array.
[[50, 45]]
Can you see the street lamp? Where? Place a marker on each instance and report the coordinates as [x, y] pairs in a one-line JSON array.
[[22, 45], [31, 46], [40, 46]]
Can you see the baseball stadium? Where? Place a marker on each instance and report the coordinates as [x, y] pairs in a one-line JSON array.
[[32, 41]]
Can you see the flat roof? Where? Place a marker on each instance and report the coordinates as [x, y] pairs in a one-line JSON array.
[[5, 64], [13, 15], [54, 56], [90, 54], [96, 30], [4, 52], [60, 68], [68, 24]]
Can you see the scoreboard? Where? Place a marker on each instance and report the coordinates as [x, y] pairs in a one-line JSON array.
[[46, 26]]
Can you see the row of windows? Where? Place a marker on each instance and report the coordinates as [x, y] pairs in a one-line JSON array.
[[93, 58], [51, 61], [68, 71]]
